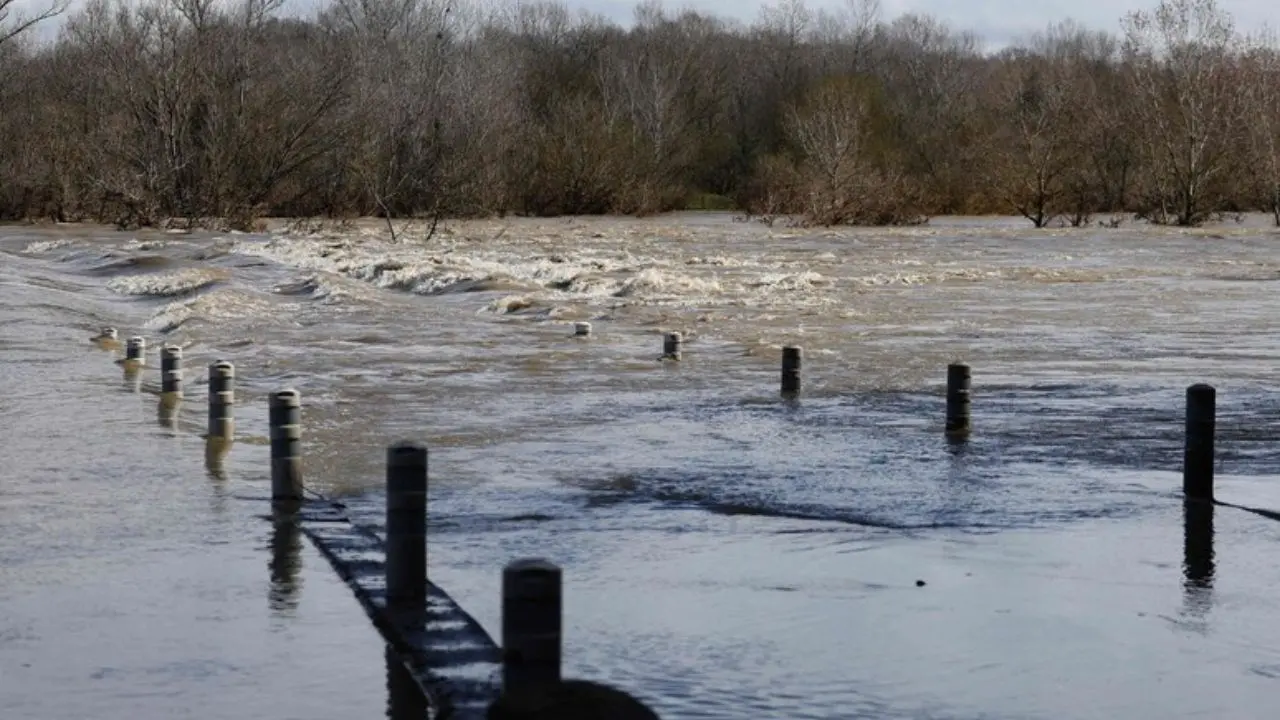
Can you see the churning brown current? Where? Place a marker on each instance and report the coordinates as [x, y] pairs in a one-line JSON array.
[[726, 554]]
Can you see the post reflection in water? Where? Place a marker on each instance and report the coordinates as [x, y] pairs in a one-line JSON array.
[[215, 452], [285, 562], [132, 376], [405, 700], [960, 489], [1197, 557], [167, 412]]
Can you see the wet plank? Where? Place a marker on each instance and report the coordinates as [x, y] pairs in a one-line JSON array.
[[453, 660]]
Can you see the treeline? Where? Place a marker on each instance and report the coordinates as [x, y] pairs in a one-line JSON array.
[[141, 112]]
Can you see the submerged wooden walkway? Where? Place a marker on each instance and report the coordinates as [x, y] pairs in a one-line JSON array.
[[455, 663], [459, 669]]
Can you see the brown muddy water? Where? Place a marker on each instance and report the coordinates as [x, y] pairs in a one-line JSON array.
[[726, 554]]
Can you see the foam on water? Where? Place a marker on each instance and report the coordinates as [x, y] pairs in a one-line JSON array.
[[167, 284], [42, 247], [214, 307], [327, 288]]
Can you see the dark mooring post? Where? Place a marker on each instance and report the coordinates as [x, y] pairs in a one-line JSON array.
[[284, 415], [135, 350], [791, 356], [1197, 460], [531, 625], [171, 371], [107, 338], [958, 383], [170, 385], [405, 700], [134, 354], [222, 400], [672, 346], [407, 526]]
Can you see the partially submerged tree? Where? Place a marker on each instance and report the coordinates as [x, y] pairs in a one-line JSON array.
[[1261, 88], [843, 171], [399, 55], [1186, 106], [1034, 143]]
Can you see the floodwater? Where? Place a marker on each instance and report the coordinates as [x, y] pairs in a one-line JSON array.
[[727, 554]]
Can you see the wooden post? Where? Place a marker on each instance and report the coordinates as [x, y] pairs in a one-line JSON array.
[[108, 338], [1197, 460], [791, 356], [222, 399], [581, 329], [284, 415], [170, 385], [135, 350], [958, 383], [407, 525], [171, 371], [531, 625], [405, 700], [672, 346]]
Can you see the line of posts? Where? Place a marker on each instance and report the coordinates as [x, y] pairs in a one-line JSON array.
[[532, 588], [285, 408], [532, 608]]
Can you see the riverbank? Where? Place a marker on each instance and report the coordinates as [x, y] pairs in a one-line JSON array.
[[411, 230]]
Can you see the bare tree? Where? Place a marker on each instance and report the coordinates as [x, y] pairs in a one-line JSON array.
[[1186, 106], [483, 91], [1032, 144], [1261, 86], [397, 120], [1098, 138], [213, 112], [840, 176], [660, 85], [844, 39], [13, 23], [935, 78]]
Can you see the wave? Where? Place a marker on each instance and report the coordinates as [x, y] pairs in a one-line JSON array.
[[170, 284], [220, 305], [41, 247], [974, 274], [648, 267], [114, 264]]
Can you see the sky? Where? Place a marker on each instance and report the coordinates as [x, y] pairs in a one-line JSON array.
[[996, 21]]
